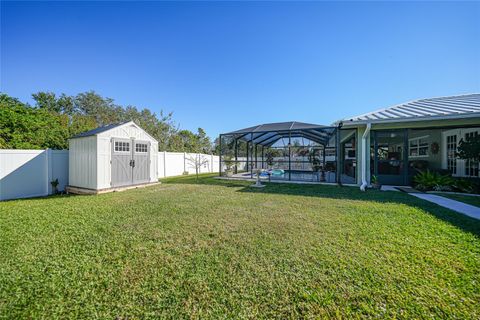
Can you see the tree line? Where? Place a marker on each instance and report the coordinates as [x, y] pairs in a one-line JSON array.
[[53, 119]]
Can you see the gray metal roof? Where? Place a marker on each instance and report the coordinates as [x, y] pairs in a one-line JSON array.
[[443, 107], [99, 130], [269, 133]]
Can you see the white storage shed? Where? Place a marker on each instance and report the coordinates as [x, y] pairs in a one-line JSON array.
[[112, 156]]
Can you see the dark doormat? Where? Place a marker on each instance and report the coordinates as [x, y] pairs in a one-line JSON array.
[[408, 190]]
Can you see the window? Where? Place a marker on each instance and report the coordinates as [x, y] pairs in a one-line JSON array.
[[122, 146], [418, 147], [141, 147]]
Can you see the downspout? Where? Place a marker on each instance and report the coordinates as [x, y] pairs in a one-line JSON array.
[[364, 156]]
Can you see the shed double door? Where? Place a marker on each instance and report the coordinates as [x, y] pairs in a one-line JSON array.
[[130, 162]]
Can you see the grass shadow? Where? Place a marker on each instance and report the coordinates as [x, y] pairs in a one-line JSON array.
[[50, 196]]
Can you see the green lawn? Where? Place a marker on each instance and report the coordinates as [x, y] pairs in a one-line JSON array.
[[474, 201], [219, 249]]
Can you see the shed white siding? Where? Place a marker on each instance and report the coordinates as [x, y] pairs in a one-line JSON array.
[[82, 162], [104, 155]]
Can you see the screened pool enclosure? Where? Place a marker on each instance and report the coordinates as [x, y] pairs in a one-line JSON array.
[[291, 151]]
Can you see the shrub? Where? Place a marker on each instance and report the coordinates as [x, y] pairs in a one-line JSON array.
[[442, 188], [466, 185], [429, 180]]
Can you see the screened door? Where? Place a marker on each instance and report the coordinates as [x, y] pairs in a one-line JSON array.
[[390, 159]]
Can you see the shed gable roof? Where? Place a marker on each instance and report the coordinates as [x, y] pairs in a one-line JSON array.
[[468, 105], [109, 127], [99, 130]]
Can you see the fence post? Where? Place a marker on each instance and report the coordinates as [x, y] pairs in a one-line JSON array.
[[164, 164], [49, 171], [184, 160]]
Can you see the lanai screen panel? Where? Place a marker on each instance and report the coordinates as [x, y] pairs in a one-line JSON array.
[[294, 149]]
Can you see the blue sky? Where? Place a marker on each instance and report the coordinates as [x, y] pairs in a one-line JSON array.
[[225, 66]]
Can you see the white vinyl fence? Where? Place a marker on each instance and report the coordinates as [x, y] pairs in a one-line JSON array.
[[29, 173], [177, 163]]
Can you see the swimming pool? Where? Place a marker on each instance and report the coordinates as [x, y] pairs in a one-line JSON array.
[[296, 175]]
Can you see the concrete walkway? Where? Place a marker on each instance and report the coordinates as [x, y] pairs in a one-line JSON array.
[[454, 205]]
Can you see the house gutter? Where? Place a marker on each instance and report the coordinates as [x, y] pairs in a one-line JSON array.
[[364, 156]]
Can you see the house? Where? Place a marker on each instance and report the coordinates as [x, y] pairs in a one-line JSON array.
[[393, 144]]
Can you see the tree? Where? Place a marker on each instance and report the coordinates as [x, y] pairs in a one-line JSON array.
[[204, 143], [53, 119], [469, 148], [197, 162], [46, 100], [25, 127], [102, 109], [216, 146], [187, 141]]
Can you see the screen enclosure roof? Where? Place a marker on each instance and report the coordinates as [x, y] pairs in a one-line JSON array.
[[269, 133]]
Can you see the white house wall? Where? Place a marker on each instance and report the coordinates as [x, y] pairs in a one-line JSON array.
[[83, 162]]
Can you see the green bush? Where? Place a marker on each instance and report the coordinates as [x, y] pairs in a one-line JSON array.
[[466, 185], [428, 180]]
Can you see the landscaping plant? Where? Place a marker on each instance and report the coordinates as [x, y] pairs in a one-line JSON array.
[[430, 180], [54, 184], [230, 165]]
